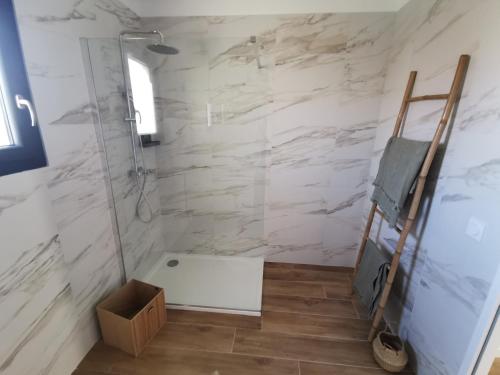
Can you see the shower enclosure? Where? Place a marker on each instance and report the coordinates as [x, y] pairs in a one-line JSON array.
[[188, 180]]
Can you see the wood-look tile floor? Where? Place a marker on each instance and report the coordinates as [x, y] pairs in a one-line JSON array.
[[310, 326], [495, 368]]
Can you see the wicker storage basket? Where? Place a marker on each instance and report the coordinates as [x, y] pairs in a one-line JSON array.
[[389, 352]]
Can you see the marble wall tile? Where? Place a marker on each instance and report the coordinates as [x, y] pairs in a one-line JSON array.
[[78, 194], [283, 172], [66, 258], [445, 276], [32, 280], [287, 154]]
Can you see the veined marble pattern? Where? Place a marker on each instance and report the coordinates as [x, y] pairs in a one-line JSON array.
[[282, 170], [446, 276], [34, 281], [60, 255]]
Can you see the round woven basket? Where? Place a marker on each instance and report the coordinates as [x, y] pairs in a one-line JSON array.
[[389, 352]]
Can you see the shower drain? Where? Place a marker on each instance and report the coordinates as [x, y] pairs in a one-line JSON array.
[[172, 263]]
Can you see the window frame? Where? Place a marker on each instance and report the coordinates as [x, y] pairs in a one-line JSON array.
[[28, 151], [131, 57]]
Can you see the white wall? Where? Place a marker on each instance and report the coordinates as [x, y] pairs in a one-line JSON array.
[[446, 276], [54, 269], [483, 349], [174, 8], [58, 252], [281, 171]]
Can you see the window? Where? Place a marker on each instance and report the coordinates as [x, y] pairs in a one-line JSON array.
[[143, 98], [5, 136], [21, 146]]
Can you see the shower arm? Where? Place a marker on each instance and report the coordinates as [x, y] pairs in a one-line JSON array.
[[138, 35]]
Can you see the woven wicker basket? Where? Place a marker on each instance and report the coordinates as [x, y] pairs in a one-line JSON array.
[[389, 352]]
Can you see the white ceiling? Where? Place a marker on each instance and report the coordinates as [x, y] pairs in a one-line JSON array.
[[158, 8]]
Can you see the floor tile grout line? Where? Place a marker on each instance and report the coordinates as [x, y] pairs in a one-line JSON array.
[[337, 283], [234, 353], [351, 366], [198, 324], [328, 338], [326, 298], [194, 349], [234, 339], [339, 299], [354, 316], [209, 325], [283, 334], [277, 270], [306, 314], [268, 296], [298, 365], [305, 275], [375, 366], [305, 266], [364, 366], [312, 282], [361, 366], [293, 335], [316, 337]]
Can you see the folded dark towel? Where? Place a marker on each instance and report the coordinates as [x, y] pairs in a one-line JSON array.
[[398, 169], [378, 286]]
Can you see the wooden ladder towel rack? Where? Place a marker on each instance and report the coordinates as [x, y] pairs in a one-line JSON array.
[[451, 99]]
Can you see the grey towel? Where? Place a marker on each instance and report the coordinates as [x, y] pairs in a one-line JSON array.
[[398, 169], [378, 286], [371, 275]]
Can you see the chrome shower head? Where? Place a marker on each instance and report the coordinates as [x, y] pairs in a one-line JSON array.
[[162, 49]]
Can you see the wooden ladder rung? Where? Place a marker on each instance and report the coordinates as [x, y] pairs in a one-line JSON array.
[[428, 97], [379, 211]]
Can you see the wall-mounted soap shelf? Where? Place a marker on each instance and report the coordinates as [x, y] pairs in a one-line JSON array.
[[148, 142]]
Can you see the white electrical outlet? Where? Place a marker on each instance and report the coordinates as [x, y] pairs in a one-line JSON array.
[[475, 228]]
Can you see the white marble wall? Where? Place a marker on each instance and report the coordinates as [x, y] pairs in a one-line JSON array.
[[282, 171], [446, 276], [59, 255]]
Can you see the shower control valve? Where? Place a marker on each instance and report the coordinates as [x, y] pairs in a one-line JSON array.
[[140, 171]]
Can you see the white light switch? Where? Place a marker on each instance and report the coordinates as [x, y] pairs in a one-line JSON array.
[[475, 228]]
